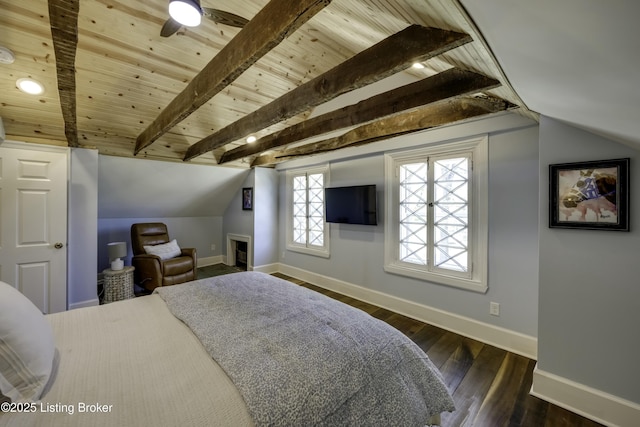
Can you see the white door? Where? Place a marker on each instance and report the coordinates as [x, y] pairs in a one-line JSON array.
[[33, 224]]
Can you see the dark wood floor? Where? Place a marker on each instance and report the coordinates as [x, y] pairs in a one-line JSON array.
[[490, 386]]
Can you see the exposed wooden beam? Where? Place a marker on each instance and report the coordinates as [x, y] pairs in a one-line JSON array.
[[277, 20], [395, 53], [445, 85], [442, 113], [63, 17]]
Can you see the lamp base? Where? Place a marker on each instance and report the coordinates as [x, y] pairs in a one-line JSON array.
[[117, 264]]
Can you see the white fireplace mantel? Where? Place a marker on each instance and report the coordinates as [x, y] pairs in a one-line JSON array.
[[232, 241]]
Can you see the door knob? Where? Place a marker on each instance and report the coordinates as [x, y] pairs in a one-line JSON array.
[[58, 245]]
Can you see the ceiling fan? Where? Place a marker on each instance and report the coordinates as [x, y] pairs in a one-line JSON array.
[[189, 13]]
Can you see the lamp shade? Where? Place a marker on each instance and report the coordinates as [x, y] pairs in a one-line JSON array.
[[117, 250], [186, 12]]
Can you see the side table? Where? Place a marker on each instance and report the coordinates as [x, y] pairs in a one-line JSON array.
[[118, 285]]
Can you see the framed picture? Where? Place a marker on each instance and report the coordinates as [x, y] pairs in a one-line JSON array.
[[247, 198], [590, 195]]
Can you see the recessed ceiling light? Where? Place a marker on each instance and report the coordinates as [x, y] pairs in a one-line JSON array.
[[30, 86], [6, 56], [251, 139], [418, 66]]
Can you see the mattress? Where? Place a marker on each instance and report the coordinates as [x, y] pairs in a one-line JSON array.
[[132, 363]]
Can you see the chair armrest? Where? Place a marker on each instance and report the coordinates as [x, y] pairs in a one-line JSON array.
[[190, 252], [148, 271]]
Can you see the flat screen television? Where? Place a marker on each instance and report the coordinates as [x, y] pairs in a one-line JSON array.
[[351, 205]]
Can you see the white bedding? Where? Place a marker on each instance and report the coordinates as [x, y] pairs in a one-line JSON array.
[[142, 366]]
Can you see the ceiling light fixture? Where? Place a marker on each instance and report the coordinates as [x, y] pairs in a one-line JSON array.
[[6, 56], [251, 139], [418, 66], [30, 86], [186, 12]]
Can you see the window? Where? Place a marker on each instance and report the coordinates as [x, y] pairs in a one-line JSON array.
[[436, 214], [306, 227]]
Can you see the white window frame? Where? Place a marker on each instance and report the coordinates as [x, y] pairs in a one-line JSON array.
[[321, 251], [476, 279]]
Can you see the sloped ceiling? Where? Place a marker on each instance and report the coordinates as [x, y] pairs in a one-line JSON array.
[[574, 60]]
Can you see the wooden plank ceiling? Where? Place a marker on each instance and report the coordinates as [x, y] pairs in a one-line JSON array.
[[113, 83]]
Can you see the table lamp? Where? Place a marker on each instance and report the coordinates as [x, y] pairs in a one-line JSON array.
[[117, 250]]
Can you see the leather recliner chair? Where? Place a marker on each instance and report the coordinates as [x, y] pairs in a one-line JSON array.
[[150, 270]]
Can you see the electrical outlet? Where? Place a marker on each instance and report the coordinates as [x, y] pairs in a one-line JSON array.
[[494, 309], [284, 254], [213, 247]]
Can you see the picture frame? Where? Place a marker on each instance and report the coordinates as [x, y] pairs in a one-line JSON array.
[[591, 195], [247, 199]]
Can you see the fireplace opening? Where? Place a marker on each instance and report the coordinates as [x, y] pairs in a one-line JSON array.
[[241, 255]]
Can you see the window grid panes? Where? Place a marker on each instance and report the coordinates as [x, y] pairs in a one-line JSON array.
[[413, 213], [434, 222], [451, 214], [300, 209], [316, 210], [308, 209]]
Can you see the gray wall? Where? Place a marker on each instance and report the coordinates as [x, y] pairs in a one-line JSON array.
[[140, 188], [261, 223], [82, 227], [589, 300], [357, 252], [236, 220], [265, 237]]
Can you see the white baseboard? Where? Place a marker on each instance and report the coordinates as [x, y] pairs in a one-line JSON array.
[[87, 303], [514, 342], [203, 262], [591, 403], [588, 402], [268, 268]]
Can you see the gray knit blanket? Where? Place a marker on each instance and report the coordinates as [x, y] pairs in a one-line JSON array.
[[300, 358]]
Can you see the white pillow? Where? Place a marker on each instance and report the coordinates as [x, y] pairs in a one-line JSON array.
[[165, 250], [27, 347]]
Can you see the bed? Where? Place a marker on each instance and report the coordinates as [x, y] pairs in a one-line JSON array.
[[236, 350]]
